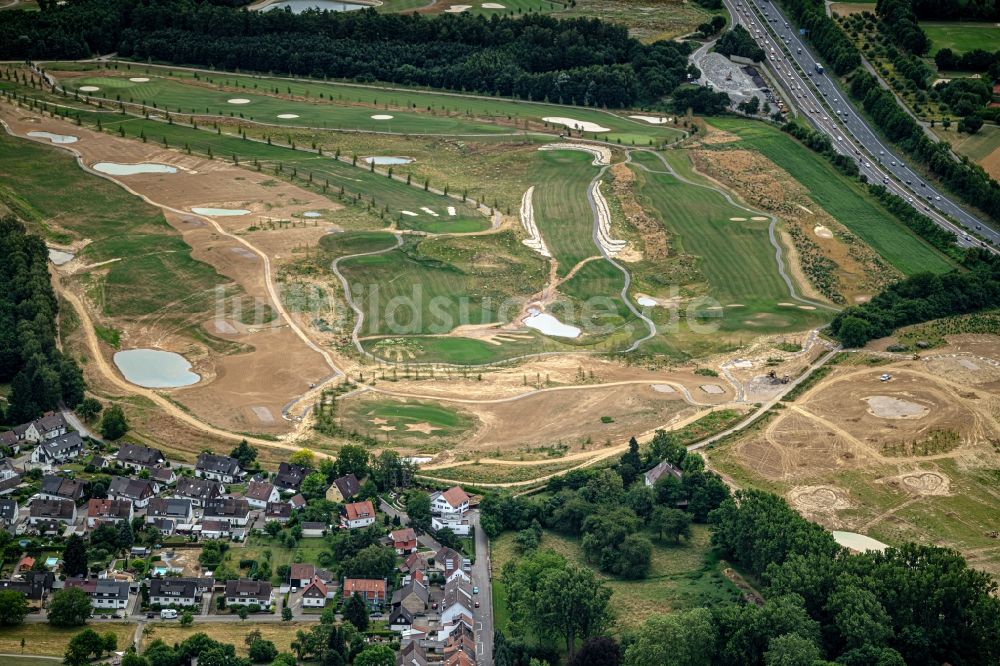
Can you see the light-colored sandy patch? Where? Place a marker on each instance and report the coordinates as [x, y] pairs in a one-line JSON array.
[[858, 542], [663, 388], [54, 138], [312, 214], [760, 218], [805, 209], [967, 364], [817, 499], [921, 483], [452, 211], [410, 213], [806, 307], [602, 155], [288, 116], [381, 116], [423, 427], [243, 252], [735, 305], [527, 214], [238, 100], [822, 231], [428, 211], [653, 120], [89, 88], [786, 305], [611, 246], [222, 326], [457, 9], [737, 219], [139, 79], [646, 301], [378, 421], [387, 428], [863, 298], [888, 407], [713, 389], [572, 123], [263, 414], [493, 5], [742, 363]]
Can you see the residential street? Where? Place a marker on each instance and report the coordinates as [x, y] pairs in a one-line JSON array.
[[481, 579]]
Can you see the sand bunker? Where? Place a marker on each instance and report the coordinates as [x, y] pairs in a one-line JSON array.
[[312, 213], [813, 499], [116, 169], [737, 219], [646, 301], [221, 212], [602, 156], [381, 116], [243, 252], [224, 327], [572, 123], [549, 325], [455, 9], [54, 138], [423, 427], [611, 246], [741, 363], [493, 5], [714, 389], [429, 211], [89, 88], [534, 239], [452, 211], [263, 414], [387, 160], [408, 212], [822, 231], [239, 100], [786, 305], [286, 116], [139, 79], [806, 307], [887, 407], [858, 542], [653, 120], [760, 218], [663, 388], [58, 257]]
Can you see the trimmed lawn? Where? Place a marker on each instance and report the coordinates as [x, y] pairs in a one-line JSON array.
[[280, 633], [960, 36]]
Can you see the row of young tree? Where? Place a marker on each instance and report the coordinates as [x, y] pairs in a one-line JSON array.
[[922, 297], [577, 61], [831, 42], [40, 375], [898, 22]]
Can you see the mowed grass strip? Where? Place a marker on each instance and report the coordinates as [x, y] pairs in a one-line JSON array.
[[962, 36], [409, 420], [154, 266], [844, 198]]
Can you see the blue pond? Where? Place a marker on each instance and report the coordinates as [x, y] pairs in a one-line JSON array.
[[154, 368]]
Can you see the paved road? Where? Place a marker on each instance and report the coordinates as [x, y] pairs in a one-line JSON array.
[[818, 98], [481, 578]]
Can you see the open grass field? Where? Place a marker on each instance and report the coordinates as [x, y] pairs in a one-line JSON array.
[[347, 106], [45, 187], [983, 147], [259, 548], [492, 473], [647, 21], [843, 198], [410, 421], [41, 638], [961, 36], [562, 213], [355, 242], [280, 633], [681, 577]]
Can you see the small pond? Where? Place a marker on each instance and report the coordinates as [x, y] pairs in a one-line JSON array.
[[116, 169], [549, 325], [155, 368], [58, 257]]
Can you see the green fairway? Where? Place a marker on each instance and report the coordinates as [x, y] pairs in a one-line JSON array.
[[357, 242], [962, 37], [840, 196], [406, 420], [349, 106]]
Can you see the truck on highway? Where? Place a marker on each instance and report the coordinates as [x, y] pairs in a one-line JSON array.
[[819, 68]]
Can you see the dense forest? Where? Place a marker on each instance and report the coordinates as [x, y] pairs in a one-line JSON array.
[[739, 42], [39, 374], [579, 61], [922, 297]]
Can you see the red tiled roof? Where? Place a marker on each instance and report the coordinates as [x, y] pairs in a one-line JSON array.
[[358, 510], [403, 536], [364, 586], [455, 496]]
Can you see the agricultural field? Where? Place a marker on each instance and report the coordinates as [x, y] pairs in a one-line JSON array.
[[961, 36], [45, 640], [983, 147], [280, 633]]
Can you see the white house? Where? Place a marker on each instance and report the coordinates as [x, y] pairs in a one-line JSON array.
[[358, 514], [106, 594], [260, 493], [218, 468], [246, 592], [451, 501], [58, 450], [178, 591], [315, 594], [460, 526]]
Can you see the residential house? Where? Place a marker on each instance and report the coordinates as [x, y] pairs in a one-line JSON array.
[[457, 599], [108, 511], [289, 477], [260, 493], [658, 472], [278, 511], [400, 619], [414, 596], [447, 561], [9, 511], [357, 514], [414, 562], [178, 591], [411, 653], [454, 522], [9, 440], [373, 591], [312, 529], [451, 501], [51, 425], [233, 510], [315, 594], [301, 574], [58, 450], [198, 491], [138, 457], [57, 487], [139, 491], [175, 509], [10, 479], [97, 461], [162, 477], [34, 585], [298, 502], [245, 592], [103, 593], [344, 488], [166, 526], [52, 510], [216, 529], [404, 540], [218, 468]]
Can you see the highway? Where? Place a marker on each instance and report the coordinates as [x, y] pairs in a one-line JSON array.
[[792, 65]]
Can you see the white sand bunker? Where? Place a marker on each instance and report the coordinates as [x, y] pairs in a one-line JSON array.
[[428, 211], [786, 305], [89, 88], [139, 79], [534, 239], [611, 246], [455, 9], [452, 211], [737, 219], [572, 123], [806, 307], [760, 218], [653, 120], [408, 212], [663, 388], [221, 212], [858, 542], [116, 169], [888, 407], [714, 389], [925, 483], [549, 325], [312, 213], [822, 231], [381, 116], [602, 155], [493, 5], [54, 138], [741, 363], [287, 116], [263, 414], [239, 100], [646, 301]]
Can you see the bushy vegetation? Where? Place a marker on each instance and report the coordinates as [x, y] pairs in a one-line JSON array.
[[40, 375], [824, 33], [579, 61], [921, 298], [739, 42], [957, 10], [899, 22]]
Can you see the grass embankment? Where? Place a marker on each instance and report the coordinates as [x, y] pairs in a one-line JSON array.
[[843, 198]]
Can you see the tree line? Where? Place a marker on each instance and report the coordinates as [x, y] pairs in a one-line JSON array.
[[576, 61], [831, 42], [898, 22], [957, 10], [40, 375], [739, 42], [922, 297]]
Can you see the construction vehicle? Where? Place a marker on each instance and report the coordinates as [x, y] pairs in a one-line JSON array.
[[773, 376]]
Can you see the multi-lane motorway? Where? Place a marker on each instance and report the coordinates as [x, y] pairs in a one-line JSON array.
[[793, 67]]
